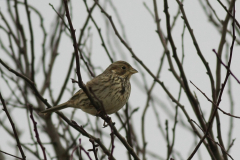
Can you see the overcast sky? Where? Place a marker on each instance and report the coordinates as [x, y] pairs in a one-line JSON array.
[[139, 28]]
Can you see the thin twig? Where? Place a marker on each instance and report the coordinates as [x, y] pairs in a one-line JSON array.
[[229, 114], [226, 66], [13, 127], [11, 155], [36, 132], [214, 141]]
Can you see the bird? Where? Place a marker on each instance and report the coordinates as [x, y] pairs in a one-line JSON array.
[[112, 88]]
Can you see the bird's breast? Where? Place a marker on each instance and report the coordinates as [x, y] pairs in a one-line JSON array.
[[116, 95]]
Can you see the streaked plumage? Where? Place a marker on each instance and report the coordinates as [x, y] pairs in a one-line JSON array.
[[112, 88]]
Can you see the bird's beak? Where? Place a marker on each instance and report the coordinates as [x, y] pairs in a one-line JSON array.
[[133, 71]]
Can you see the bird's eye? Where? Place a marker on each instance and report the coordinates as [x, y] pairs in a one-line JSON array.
[[123, 67]]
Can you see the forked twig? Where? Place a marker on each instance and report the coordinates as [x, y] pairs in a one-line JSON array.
[[229, 114], [228, 69]]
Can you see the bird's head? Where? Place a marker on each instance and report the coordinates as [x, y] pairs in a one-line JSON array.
[[121, 69]]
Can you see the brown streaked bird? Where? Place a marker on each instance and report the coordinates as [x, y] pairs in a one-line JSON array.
[[112, 88]]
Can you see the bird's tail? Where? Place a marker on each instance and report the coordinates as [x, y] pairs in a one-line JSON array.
[[56, 108]]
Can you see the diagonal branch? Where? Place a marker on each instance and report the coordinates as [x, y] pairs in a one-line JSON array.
[[226, 66], [83, 86], [229, 114], [13, 127]]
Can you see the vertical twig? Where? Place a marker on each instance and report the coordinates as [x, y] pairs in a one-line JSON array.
[[36, 132], [32, 40]]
